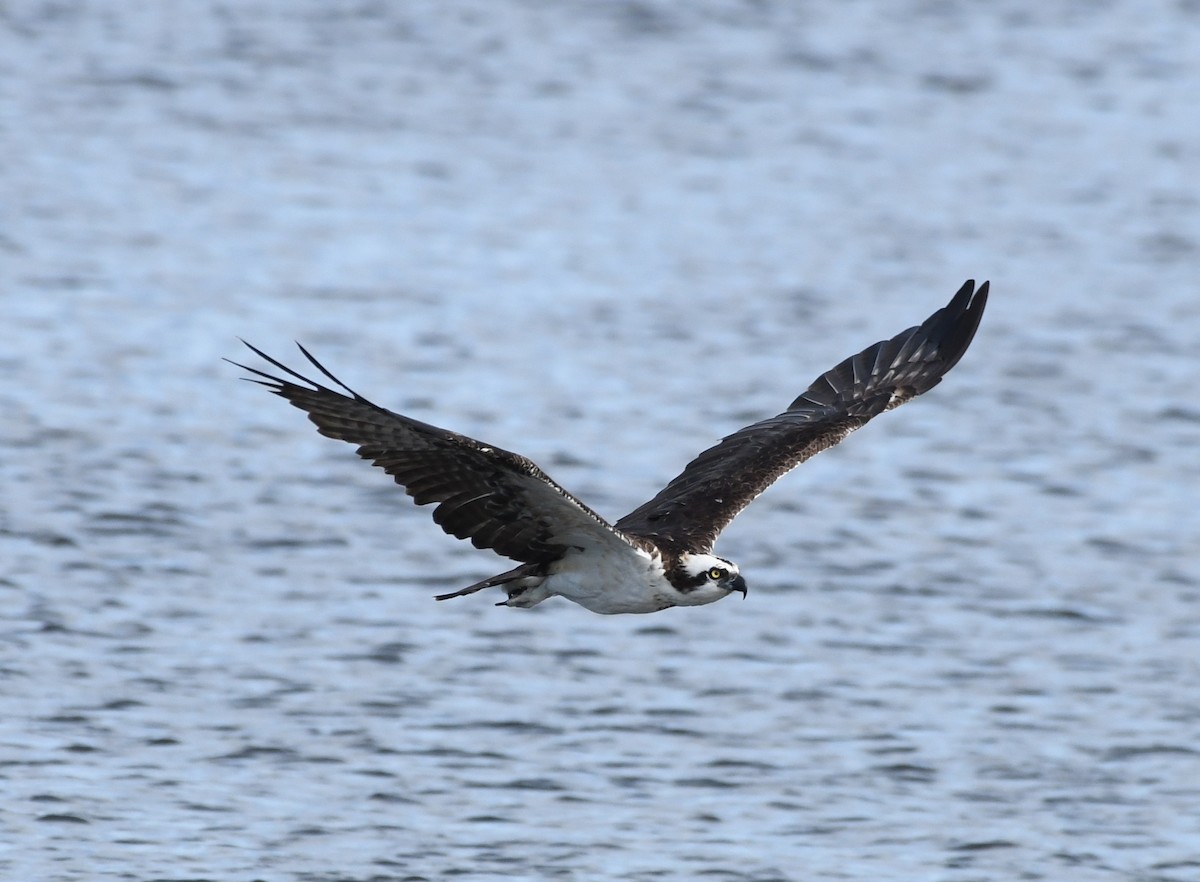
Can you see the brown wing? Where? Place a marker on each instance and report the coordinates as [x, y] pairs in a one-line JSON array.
[[691, 511], [495, 498]]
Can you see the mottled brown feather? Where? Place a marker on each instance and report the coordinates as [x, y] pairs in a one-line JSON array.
[[493, 497], [692, 510]]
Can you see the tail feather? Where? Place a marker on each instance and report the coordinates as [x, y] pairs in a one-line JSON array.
[[521, 572]]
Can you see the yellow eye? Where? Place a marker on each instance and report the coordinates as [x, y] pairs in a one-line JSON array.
[[716, 573]]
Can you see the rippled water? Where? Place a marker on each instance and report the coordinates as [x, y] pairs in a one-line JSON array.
[[603, 235]]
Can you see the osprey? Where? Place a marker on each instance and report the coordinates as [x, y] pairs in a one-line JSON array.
[[660, 554]]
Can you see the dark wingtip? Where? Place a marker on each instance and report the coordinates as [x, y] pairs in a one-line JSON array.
[[324, 370], [981, 294], [276, 363], [964, 312], [277, 384]]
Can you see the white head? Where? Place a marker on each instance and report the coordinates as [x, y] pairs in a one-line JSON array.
[[703, 578]]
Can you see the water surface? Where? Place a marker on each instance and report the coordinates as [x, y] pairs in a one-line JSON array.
[[602, 235]]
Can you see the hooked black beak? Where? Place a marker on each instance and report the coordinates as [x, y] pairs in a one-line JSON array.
[[738, 584]]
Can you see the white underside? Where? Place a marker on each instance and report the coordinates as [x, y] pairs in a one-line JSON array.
[[610, 582], [627, 581]]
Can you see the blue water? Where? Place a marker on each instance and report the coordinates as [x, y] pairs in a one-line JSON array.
[[603, 235]]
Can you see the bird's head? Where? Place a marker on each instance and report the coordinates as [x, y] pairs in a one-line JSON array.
[[703, 578]]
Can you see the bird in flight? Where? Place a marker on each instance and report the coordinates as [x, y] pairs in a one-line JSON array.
[[660, 554]]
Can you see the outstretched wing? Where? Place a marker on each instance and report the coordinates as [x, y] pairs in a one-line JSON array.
[[495, 498], [691, 511]]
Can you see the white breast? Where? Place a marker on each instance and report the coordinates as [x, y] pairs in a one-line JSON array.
[[611, 581]]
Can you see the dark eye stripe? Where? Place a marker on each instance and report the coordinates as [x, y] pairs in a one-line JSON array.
[[685, 582]]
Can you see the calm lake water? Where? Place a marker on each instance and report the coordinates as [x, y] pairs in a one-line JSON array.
[[604, 235]]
